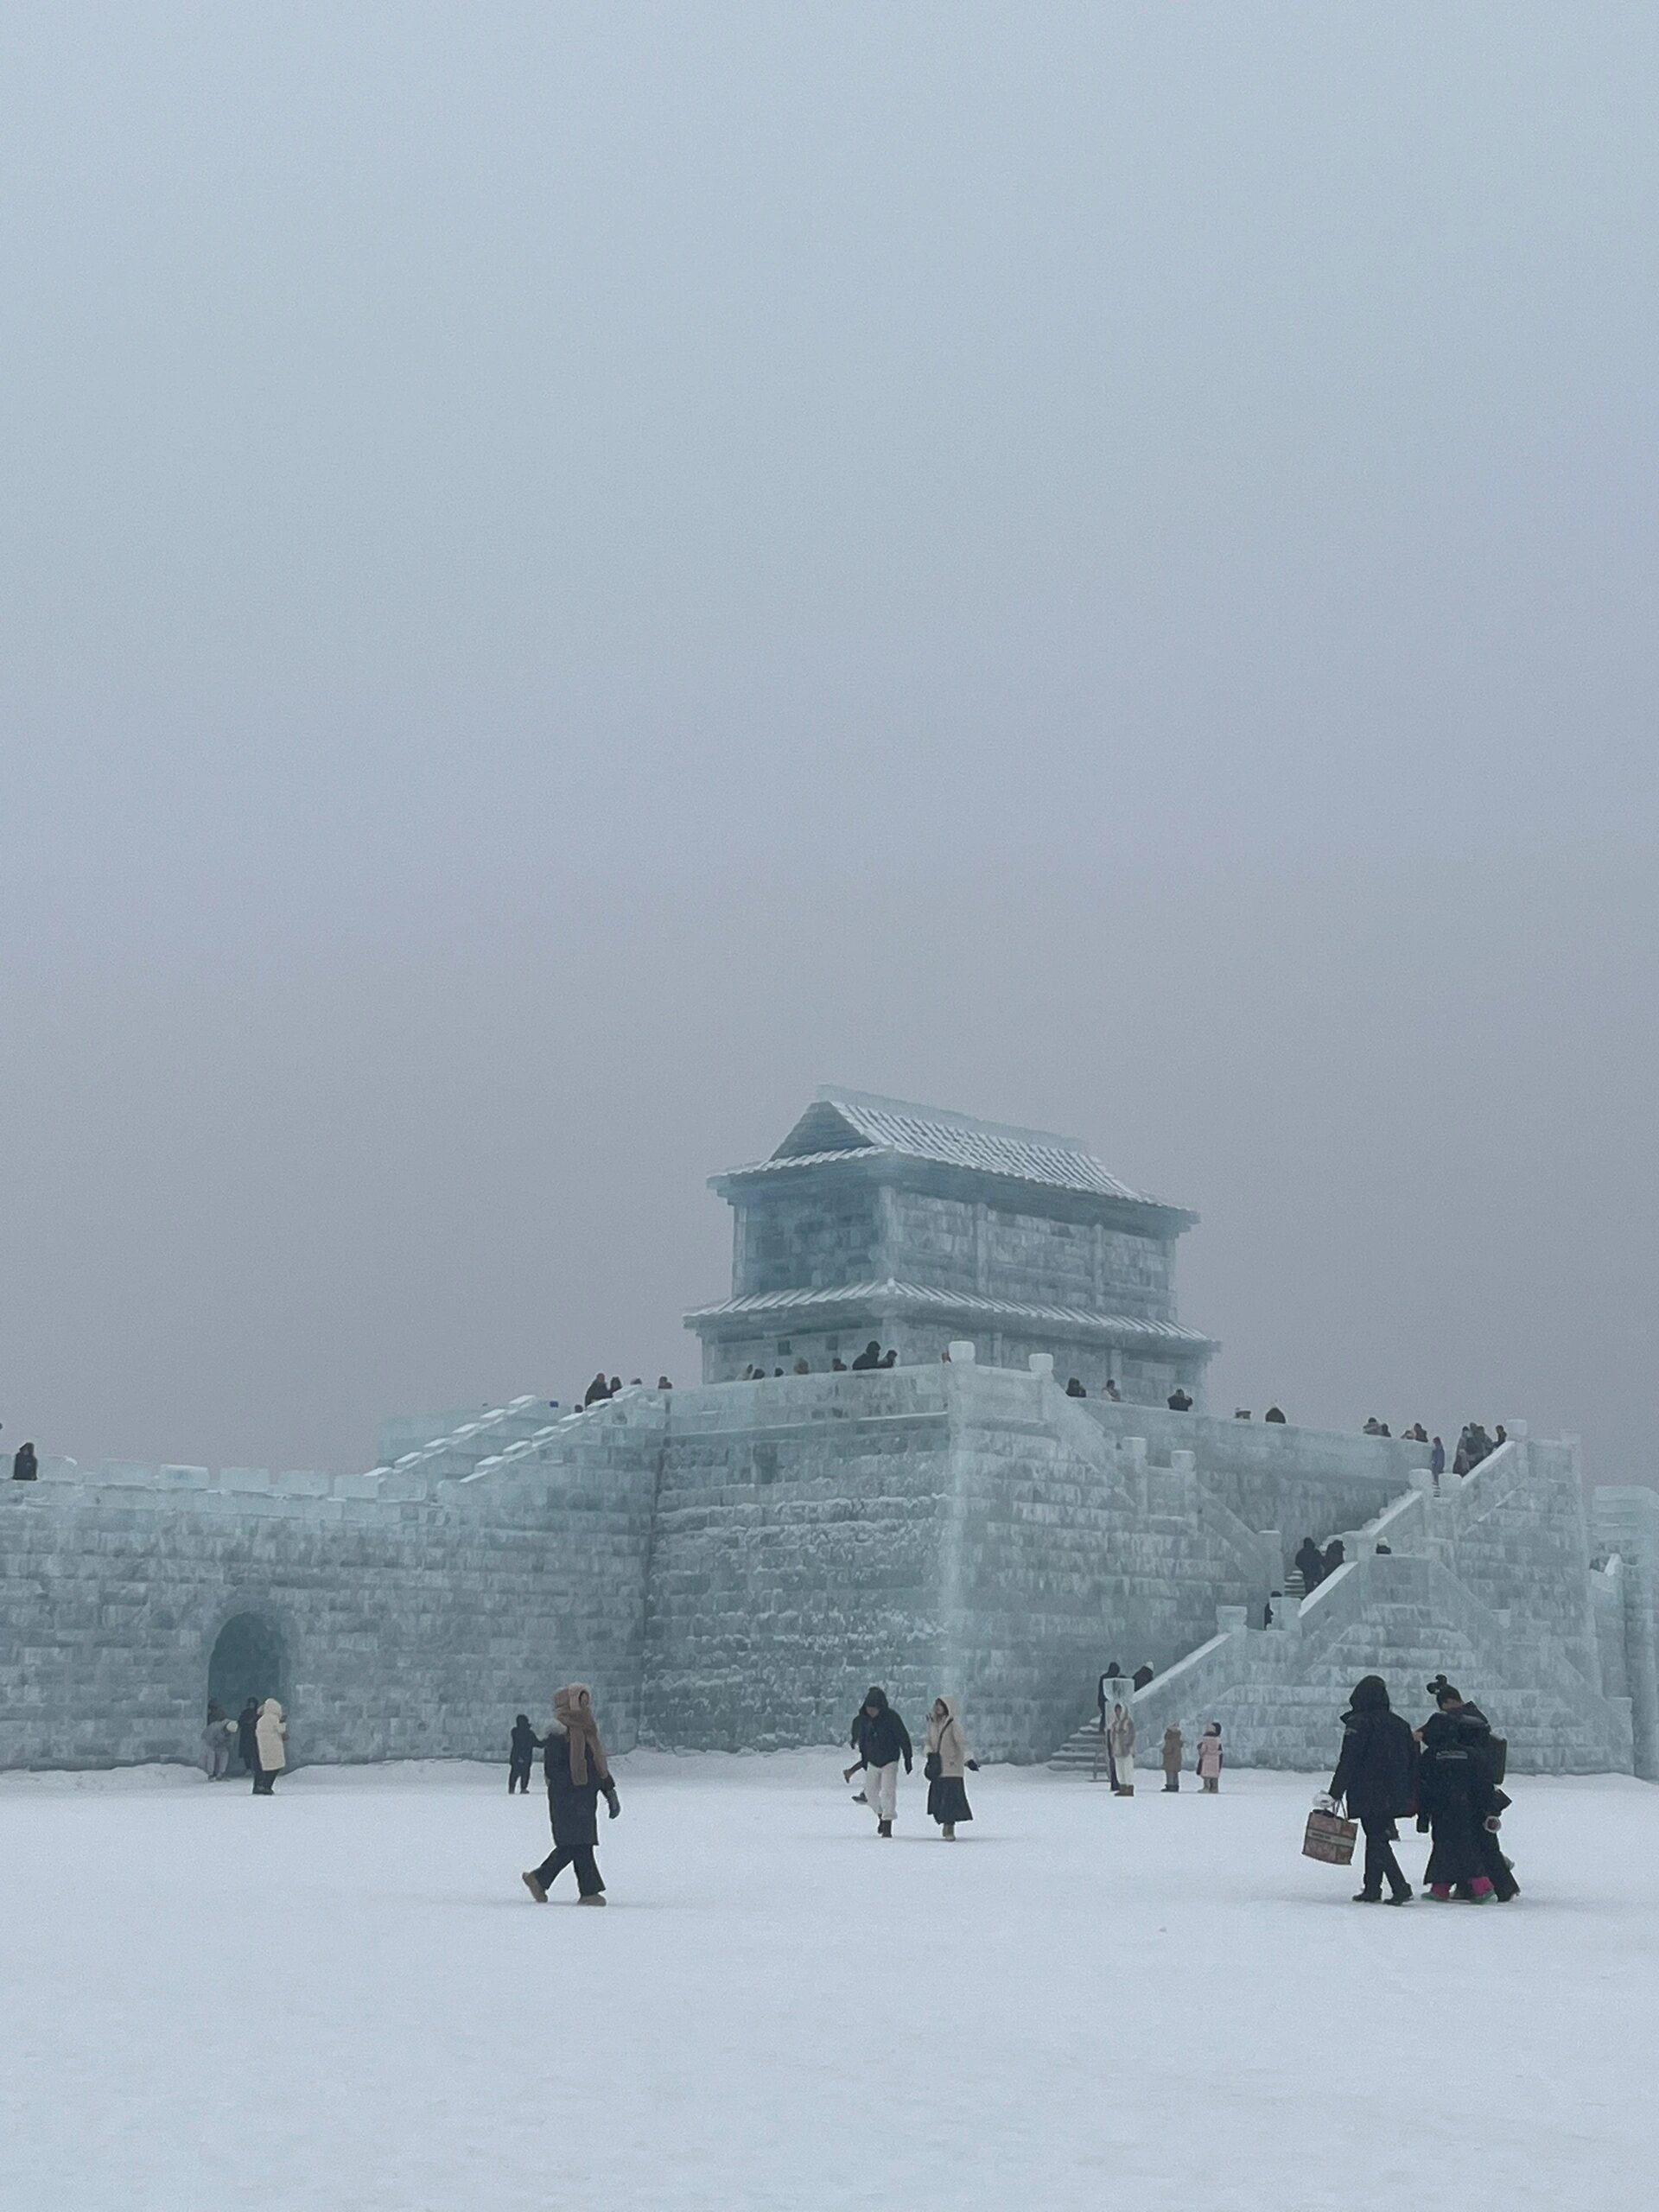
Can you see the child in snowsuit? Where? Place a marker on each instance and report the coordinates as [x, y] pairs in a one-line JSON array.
[[1210, 1759], [1174, 1745]]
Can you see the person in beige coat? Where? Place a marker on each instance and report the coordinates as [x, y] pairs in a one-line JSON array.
[[1120, 1734], [947, 1761], [270, 1733]]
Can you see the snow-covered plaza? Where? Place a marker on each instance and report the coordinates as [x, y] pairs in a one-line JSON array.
[[343, 1998]]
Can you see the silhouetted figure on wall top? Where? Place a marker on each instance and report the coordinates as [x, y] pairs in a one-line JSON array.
[[598, 1388], [1179, 1400], [24, 1466], [868, 1358]]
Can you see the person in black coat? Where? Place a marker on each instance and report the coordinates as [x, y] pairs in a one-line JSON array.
[[881, 1739], [1457, 1795], [25, 1468], [578, 1774], [525, 1743], [1142, 1674], [247, 1737], [1377, 1774], [1311, 1562], [869, 1358]]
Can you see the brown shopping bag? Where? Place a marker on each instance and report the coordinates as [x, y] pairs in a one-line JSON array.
[[1330, 1838]]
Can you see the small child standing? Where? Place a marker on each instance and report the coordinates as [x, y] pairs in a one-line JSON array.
[[1174, 1745], [526, 1744], [1209, 1758]]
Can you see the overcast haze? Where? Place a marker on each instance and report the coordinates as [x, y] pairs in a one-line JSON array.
[[570, 573]]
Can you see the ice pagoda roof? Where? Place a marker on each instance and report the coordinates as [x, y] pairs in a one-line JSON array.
[[843, 1125], [890, 1295]]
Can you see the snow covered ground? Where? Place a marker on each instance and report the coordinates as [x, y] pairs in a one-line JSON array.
[[344, 1998]]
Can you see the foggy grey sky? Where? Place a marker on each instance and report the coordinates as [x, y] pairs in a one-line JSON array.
[[570, 573]]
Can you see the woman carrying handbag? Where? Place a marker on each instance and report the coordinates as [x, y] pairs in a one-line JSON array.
[[947, 1762]]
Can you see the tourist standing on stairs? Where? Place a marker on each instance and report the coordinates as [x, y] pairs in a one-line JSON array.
[[1377, 1774], [946, 1762], [577, 1771], [881, 1739], [1120, 1736], [1209, 1761], [1311, 1559], [271, 1739], [1174, 1745]]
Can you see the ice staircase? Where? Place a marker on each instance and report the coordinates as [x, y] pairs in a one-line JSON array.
[[1402, 1613]]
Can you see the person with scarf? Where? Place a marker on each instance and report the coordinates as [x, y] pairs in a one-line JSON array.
[[577, 1772], [947, 1762], [1377, 1774]]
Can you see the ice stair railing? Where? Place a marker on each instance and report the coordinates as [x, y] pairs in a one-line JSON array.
[[464, 1448], [1534, 1658], [524, 1448]]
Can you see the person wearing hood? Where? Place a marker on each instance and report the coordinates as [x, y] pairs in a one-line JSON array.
[[247, 1737], [1174, 1746], [1311, 1559], [270, 1740], [597, 1390], [521, 1757], [947, 1761], [1209, 1759], [25, 1467], [881, 1739], [1120, 1737], [1377, 1774], [577, 1772], [1459, 1801]]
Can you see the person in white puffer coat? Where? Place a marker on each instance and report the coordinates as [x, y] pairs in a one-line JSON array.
[[270, 1733]]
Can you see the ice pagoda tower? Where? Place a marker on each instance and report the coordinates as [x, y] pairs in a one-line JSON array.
[[912, 1225]]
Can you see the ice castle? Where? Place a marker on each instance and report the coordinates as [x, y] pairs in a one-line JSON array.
[[730, 1565]]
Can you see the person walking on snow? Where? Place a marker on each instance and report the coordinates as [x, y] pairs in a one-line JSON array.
[[270, 1740], [881, 1739], [1120, 1736], [947, 1760], [1377, 1773], [521, 1756], [1173, 1747], [577, 1771], [1459, 1801], [1209, 1760]]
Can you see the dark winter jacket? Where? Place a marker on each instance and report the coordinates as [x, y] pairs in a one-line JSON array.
[[525, 1742], [1458, 1770], [1311, 1559], [572, 1805], [1377, 1774], [881, 1737], [247, 1737]]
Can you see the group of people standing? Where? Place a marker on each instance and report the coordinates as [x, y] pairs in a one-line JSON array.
[[1118, 1733], [258, 1737], [1448, 1775]]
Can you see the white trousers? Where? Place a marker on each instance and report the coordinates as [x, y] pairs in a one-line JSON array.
[[882, 1789]]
